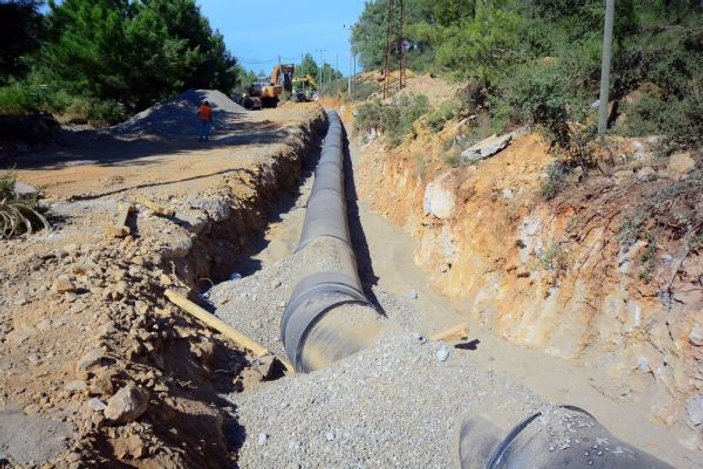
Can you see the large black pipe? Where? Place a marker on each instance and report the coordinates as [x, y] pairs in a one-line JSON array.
[[328, 317], [566, 437]]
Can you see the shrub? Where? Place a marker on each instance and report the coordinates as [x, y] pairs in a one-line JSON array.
[[16, 99], [555, 260], [363, 89], [395, 119], [557, 173], [652, 115], [440, 115]]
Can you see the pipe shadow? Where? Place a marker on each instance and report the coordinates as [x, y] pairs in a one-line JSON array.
[[359, 242]]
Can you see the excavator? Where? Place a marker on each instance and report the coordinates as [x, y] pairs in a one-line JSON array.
[[304, 88], [265, 93]]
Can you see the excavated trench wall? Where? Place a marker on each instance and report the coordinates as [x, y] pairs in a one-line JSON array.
[[236, 212], [552, 275]]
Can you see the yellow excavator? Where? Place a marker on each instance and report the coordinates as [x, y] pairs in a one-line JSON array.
[[304, 88], [265, 93]]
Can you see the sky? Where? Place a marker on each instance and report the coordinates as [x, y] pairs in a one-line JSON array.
[[258, 32]]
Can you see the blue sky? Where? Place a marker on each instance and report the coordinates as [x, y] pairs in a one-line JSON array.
[[257, 31]]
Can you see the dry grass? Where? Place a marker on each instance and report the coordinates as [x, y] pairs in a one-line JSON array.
[[17, 215]]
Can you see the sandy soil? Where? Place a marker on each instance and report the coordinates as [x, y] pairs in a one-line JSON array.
[[82, 314]]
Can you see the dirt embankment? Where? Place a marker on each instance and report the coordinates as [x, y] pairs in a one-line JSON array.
[[83, 321], [606, 273]]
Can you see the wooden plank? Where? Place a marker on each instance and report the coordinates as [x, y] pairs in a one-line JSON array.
[[120, 229], [155, 207], [454, 333], [225, 329]]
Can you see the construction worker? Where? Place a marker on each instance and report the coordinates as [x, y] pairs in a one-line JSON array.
[[205, 117]]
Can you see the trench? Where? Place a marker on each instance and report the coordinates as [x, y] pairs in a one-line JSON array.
[[385, 265]]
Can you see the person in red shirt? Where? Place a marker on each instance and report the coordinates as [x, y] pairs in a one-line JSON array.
[[205, 118]]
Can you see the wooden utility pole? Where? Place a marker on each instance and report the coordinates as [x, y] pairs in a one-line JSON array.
[[605, 67]]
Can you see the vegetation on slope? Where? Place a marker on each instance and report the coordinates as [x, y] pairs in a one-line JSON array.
[[538, 61]]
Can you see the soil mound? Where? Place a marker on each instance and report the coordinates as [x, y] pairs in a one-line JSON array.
[[177, 117]]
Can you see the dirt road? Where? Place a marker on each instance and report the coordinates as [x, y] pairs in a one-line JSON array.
[[82, 313]]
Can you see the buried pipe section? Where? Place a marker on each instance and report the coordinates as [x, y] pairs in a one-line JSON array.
[[328, 316], [565, 437]]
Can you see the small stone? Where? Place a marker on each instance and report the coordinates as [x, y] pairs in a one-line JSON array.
[[97, 405], [329, 436], [694, 410], [76, 385], [90, 359], [121, 288], [261, 440], [681, 164], [643, 365], [165, 280], [63, 285], [127, 405], [696, 335], [442, 354], [412, 295]]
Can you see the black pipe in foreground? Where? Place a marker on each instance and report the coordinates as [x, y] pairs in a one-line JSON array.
[[328, 316], [566, 437]]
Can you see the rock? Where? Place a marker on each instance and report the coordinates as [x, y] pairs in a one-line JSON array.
[[485, 148], [63, 285], [127, 405], [122, 288], [165, 280], [646, 174], [25, 190], [694, 410], [442, 354], [90, 359], [439, 200], [329, 436], [97, 405], [261, 440], [76, 385], [643, 365], [696, 335], [680, 164], [412, 295]]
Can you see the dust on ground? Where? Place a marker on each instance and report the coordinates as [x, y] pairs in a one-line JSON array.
[[89, 349]]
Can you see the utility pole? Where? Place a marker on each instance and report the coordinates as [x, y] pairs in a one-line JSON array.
[[605, 67], [395, 47]]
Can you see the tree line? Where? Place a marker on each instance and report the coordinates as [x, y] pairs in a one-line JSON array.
[[538, 61], [103, 59]]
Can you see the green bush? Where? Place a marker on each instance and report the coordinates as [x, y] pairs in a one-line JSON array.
[[680, 121], [364, 89], [16, 99], [395, 118], [440, 115], [557, 174]]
